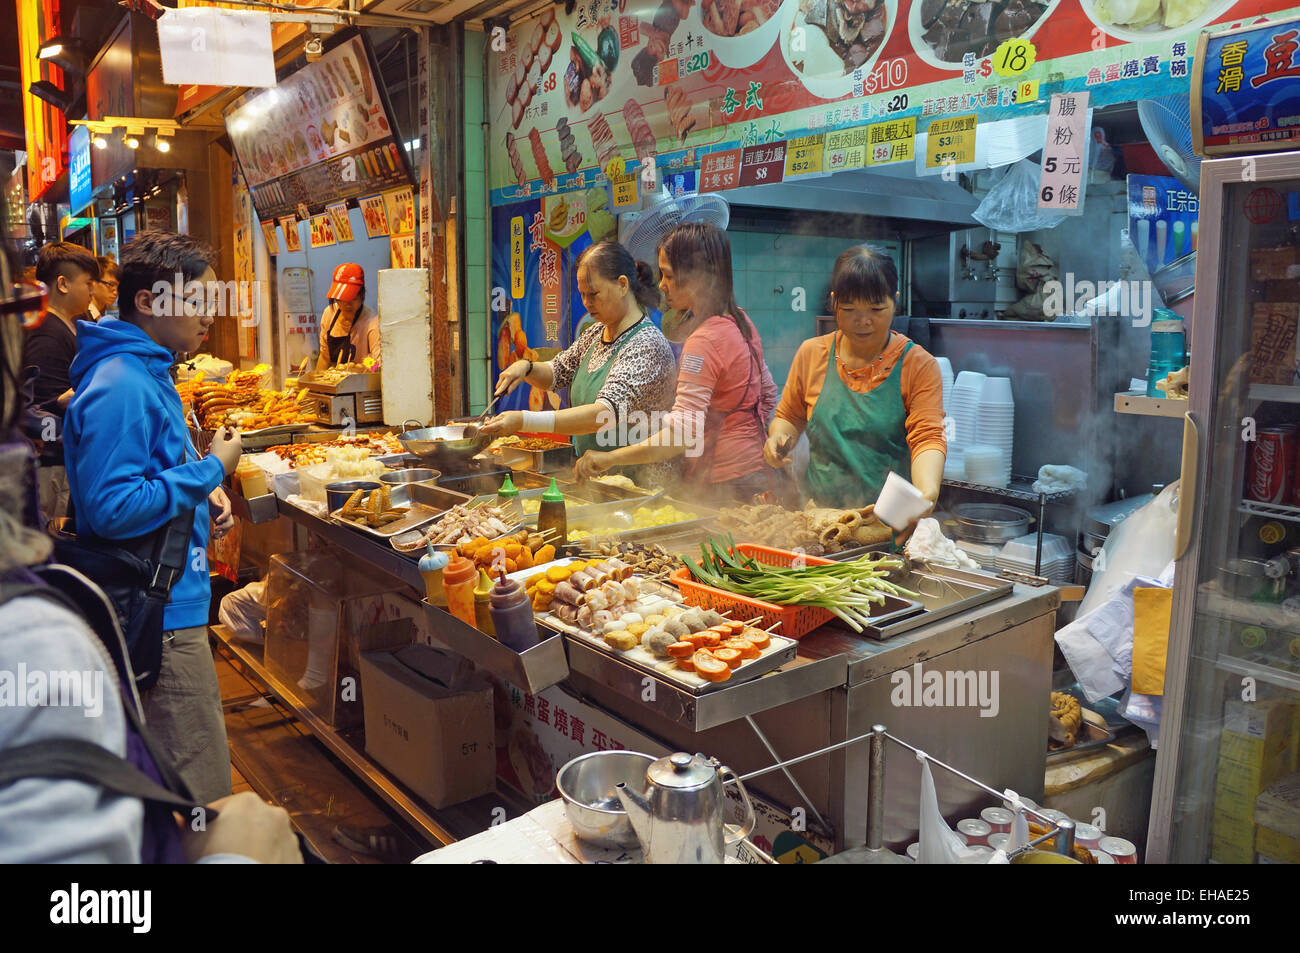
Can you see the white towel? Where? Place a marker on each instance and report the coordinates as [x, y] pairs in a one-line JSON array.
[[1058, 477]]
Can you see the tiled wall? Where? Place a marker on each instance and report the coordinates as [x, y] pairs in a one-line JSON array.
[[477, 269], [762, 263]]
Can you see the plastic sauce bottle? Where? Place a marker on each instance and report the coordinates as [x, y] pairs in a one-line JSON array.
[[252, 481], [431, 565], [459, 579], [482, 596], [512, 615], [508, 498], [551, 516]]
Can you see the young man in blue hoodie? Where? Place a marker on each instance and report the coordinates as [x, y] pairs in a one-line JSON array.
[[132, 468]]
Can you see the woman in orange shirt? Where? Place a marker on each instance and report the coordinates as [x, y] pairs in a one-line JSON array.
[[870, 399]]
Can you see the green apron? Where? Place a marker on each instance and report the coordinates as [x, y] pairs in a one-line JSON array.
[[854, 439], [586, 386]]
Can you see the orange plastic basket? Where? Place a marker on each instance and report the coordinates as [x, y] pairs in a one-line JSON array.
[[796, 621]]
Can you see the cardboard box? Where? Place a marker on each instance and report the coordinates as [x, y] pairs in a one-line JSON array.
[[1273, 343], [1274, 847], [1222, 853], [1275, 264], [429, 722], [1233, 831], [1247, 780], [1278, 808], [1266, 719]]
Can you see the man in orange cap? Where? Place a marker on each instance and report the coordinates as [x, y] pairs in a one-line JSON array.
[[349, 331]]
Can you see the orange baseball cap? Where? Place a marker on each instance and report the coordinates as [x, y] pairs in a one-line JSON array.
[[347, 282]]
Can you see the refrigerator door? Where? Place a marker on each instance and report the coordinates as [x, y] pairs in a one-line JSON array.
[[1232, 686]]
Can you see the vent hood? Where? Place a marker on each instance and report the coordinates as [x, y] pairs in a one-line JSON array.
[[941, 205]]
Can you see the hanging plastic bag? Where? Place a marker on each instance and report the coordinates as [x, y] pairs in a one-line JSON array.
[[1142, 545], [1012, 204], [940, 844], [1020, 826]]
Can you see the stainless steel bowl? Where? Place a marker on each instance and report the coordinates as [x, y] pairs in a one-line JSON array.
[[587, 785], [410, 475], [446, 448], [337, 494], [990, 522]]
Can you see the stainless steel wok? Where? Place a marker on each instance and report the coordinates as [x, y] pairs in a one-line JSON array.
[[446, 447]]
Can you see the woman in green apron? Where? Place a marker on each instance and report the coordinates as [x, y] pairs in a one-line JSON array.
[[870, 399], [620, 371]]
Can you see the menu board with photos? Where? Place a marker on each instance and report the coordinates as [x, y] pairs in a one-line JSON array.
[[571, 93], [322, 135]]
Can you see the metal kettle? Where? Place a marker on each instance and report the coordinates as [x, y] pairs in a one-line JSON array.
[[678, 818]]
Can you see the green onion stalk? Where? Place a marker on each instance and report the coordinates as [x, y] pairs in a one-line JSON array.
[[847, 589]]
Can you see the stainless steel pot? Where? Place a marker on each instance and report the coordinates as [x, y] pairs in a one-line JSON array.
[[410, 475], [588, 785], [990, 522], [447, 448]]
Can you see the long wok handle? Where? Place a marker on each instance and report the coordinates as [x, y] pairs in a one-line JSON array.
[[747, 827]]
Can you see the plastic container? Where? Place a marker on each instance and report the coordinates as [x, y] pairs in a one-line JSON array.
[[899, 502], [551, 516], [251, 479], [975, 831], [512, 615], [996, 392], [796, 621], [1168, 348], [459, 580], [432, 564]]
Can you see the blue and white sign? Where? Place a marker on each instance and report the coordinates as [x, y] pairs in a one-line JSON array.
[[79, 191]]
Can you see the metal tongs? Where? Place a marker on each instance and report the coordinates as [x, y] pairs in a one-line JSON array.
[[472, 429]]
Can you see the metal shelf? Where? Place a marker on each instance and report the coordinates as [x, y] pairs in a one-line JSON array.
[[1282, 393], [1274, 510], [1264, 673], [1132, 402], [1021, 488]]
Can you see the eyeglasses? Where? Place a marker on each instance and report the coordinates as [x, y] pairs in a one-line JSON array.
[[106, 284], [28, 300], [193, 309]]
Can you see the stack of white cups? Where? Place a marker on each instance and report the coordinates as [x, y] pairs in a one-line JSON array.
[[995, 421], [963, 407]]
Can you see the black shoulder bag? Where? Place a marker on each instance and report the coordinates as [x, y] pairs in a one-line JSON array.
[[137, 575]]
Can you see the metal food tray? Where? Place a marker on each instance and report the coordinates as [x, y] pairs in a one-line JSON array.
[[543, 461], [352, 384], [1090, 738], [943, 592], [781, 650], [704, 518], [424, 508]]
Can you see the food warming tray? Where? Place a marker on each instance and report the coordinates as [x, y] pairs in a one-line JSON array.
[[778, 653], [352, 384], [943, 593], [426, 504]]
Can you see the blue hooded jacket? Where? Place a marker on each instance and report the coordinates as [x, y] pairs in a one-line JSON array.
[[124, 434]]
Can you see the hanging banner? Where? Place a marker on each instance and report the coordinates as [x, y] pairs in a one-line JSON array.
[[680, 80], [1064, 153], [892, 141], [338, 213], [1162, 219], [375, 215], [1246, 97], [402, 250], [272, 241], [321, 231], [292, 240], [950, 142]]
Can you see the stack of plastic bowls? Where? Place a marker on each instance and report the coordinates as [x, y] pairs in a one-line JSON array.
[[984, 465], [945, 371], [995, 421], [964, 405]]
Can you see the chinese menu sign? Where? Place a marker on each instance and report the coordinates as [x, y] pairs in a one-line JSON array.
[[1248, 92], [1060, 186], [679, 81], [322, 135]]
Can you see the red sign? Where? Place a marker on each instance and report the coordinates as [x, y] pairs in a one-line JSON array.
[[762, 165], [720, 170], [47, 128]]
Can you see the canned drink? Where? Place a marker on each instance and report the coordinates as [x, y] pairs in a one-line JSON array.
[[1121, 850], [1270, 465], [999, 841], [974, 830], [1053, 815], [1102, 857], [998, 819], [1086, 835]]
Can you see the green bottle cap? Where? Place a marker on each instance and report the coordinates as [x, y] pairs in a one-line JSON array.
[[553, 494], [508, 489]]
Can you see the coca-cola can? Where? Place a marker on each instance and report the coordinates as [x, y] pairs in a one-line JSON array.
[[1270, 465]]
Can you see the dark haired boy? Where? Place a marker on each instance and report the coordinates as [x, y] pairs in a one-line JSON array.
[[132, 469], [69, 273]]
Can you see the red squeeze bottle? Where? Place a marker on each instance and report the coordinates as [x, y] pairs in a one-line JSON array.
[[512, 615], [459, 580]]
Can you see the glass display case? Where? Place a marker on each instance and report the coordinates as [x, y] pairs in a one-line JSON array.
[[1226, 787]]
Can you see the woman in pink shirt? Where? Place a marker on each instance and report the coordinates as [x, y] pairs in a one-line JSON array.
[[725, 392]]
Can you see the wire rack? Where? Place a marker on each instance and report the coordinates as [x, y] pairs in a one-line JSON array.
[[1021, 490]]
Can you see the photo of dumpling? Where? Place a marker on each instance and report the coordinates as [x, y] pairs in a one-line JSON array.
[[1144, 19]]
